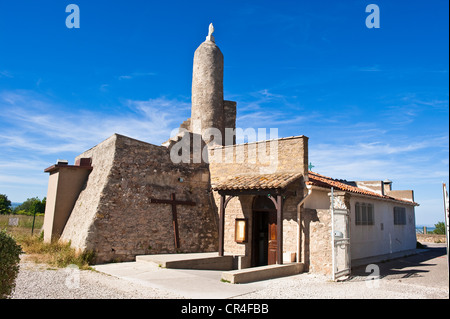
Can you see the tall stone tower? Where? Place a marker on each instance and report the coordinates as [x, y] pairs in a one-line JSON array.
[[209, 110]]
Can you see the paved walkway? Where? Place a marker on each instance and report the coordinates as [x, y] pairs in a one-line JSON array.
[[423, 275], [428, 268], [187, 283]]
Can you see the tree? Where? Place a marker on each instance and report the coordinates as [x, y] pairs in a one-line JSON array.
[[5, 205], [439, 228], [28, 206]]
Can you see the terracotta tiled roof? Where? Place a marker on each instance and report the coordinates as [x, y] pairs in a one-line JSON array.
[[261, 181], [328, 182]]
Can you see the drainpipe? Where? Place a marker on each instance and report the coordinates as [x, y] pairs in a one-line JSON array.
[[299, 222]]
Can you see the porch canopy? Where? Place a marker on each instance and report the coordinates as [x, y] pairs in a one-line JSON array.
[[274, 186]]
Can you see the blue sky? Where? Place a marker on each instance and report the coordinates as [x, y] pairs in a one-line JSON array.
[[373, 102]]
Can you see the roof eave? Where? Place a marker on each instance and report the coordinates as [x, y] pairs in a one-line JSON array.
[[391, 199]]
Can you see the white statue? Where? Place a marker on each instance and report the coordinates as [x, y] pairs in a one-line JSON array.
[[210, 37]]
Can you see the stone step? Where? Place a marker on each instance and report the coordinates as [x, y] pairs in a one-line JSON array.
[[262, 273], [202, 261]]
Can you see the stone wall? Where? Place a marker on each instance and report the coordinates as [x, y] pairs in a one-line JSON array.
[[238, 207], [267, 157], [114, 216], [241, 207], [290, 217], [431, 238], [316, 240], [288, 155]]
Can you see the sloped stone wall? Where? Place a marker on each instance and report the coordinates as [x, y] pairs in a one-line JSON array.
[[79, 226], [114, 215]]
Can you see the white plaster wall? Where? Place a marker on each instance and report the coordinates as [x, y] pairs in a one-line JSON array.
[[383, 237], [370, 240], [318, 199]]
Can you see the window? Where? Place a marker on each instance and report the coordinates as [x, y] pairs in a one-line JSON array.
[[399, 216], [364, 214]]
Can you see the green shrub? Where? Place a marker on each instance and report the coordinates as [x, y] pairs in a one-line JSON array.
[[439, 228], [9, 264]]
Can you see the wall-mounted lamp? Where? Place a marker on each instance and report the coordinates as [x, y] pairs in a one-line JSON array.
[[241, 230]]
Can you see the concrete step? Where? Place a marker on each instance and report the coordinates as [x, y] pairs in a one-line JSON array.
[[262, 273], [202, 261]]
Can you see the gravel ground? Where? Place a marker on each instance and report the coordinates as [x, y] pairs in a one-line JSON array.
[[39, 281], [307, 286], [422, 276]]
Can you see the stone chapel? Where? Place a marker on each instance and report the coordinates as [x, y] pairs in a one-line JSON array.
[[202, 192]]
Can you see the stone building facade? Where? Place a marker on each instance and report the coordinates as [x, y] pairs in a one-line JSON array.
[[262, 168], [114, 216], [202, 192]]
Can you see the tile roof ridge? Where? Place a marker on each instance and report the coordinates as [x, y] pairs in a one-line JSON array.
[[351, 188], [323, 176]]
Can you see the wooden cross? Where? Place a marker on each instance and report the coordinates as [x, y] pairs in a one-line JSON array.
[[174, 204]]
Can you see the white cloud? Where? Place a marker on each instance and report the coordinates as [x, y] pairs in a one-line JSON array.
[[135, 75], [34, 123], [267, 109], [372, 68], [35, 131], [407, 161], [5, 74]]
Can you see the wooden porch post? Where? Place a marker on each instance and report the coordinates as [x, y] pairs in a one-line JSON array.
[[279, 230], [221, 224]]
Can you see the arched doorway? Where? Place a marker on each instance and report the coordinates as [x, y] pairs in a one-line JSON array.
[[264, 237]]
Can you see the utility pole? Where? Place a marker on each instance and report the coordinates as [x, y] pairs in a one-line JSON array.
[[34, 218], [446, 210]]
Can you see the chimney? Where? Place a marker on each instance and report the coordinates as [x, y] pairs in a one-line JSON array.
[[387, 186], [62, 162], [83, 162]]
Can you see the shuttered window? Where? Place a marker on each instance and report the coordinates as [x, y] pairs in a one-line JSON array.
[[399, 216], [364, 214]]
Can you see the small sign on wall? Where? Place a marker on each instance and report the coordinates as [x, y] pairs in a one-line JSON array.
[[13, 221], [240, 232]]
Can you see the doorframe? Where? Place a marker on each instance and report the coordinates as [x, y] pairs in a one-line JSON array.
[[277, 201]]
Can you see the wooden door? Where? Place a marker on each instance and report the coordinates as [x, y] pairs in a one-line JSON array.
[[264, 238], [272, 249]]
